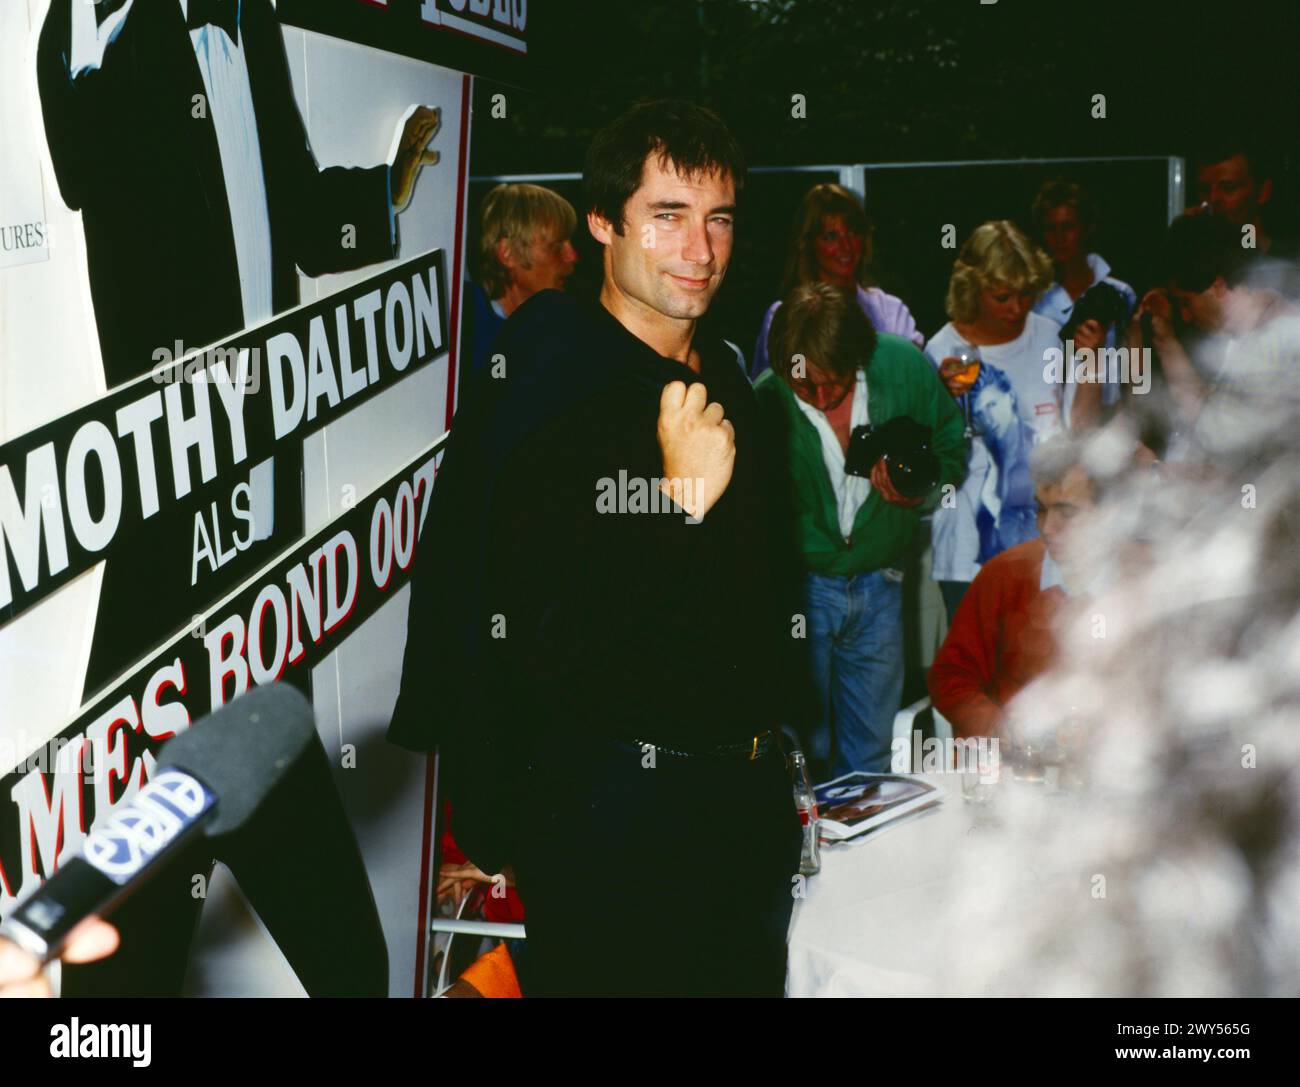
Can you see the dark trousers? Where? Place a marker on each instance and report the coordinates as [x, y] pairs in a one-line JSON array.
[[675, 879], [952, 592]]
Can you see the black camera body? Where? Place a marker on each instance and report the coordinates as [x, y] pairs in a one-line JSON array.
[[904, 444], [1101, 303], [1180, 327]]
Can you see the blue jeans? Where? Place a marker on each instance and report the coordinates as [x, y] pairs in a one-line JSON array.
[[855, 642]]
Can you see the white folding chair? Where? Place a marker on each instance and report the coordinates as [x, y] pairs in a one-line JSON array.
[[497, 930], [905, 723]]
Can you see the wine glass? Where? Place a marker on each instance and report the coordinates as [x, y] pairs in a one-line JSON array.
[[965, 375]]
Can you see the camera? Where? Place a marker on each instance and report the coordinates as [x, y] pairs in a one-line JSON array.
[[1101, 303], [904, 444], [1180, 327]]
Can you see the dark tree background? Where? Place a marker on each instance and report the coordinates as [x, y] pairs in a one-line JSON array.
[[912, 81]]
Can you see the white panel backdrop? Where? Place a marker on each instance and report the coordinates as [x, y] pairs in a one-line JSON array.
[[352, 99]]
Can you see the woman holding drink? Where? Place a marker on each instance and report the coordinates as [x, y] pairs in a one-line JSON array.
[[994, 338]]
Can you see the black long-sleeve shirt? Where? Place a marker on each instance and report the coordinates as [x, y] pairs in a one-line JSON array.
[[576, 622], [636, 625]]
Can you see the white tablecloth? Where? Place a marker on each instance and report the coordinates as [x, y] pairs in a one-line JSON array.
[[872, 920]]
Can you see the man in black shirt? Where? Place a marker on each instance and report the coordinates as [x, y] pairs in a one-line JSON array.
[[601, 650]]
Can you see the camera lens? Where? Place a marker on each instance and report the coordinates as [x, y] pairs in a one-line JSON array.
[[914, 473]]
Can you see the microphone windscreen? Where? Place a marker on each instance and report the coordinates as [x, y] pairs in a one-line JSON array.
[[243, 750]]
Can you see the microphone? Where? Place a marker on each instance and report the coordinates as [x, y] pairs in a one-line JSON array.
[[209, 781]]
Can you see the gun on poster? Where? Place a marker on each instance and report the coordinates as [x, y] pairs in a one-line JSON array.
[[283, 621]]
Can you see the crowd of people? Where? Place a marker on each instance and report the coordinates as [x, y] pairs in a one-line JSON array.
[[849, 355], [1016, 441]]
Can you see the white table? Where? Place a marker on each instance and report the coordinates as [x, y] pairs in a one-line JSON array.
[[873, 922]]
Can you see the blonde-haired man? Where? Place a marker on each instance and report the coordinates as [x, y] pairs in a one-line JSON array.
[[524, 247]]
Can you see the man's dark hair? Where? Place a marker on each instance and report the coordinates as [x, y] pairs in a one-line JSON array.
[[1221, 148], [825, 324], [691, 138], [1198, 249]]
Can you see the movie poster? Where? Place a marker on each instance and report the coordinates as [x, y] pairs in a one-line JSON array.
[[229, 284]]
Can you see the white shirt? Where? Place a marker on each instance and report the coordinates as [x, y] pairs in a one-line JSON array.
[[1253, 396], [1039, 403], [230, 105], [850, 491], [1056, 304], [1052, 575]]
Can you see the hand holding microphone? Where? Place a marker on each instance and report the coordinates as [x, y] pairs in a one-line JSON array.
[[209, 781], [20, 971]]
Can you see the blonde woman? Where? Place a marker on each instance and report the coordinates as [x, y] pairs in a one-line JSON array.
[[832, 243], [996, 279]]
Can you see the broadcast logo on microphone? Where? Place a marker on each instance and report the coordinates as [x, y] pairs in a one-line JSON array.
[[112, 860], [160, 813]]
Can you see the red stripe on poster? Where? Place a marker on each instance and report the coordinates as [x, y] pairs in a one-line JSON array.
[[453, 368]]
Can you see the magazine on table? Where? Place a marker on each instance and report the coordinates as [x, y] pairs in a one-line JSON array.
[[858, 803]]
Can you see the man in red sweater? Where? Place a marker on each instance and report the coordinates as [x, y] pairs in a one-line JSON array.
[[1001, 635]]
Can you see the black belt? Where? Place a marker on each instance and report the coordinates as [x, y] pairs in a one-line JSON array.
[[753, 748]]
